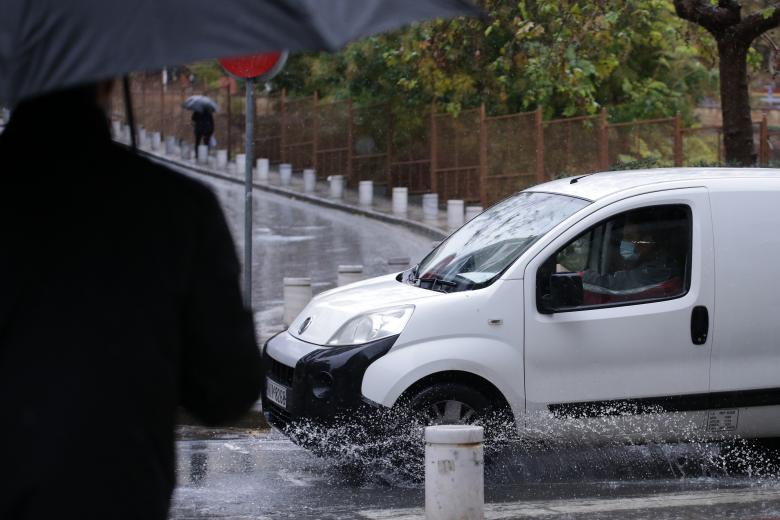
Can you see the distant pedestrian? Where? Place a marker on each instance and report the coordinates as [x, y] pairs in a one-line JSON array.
[[203, 123], [119, 302]]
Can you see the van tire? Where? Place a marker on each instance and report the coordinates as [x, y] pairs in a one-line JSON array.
[[430, 404]]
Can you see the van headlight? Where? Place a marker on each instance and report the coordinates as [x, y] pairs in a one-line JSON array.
[[373, 326]]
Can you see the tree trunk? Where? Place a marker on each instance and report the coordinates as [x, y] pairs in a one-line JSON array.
[[735, 102]]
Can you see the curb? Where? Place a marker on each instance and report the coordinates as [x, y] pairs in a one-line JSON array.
[[429, 231]]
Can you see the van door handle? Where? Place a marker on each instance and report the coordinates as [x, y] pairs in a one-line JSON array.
[[700, 325]]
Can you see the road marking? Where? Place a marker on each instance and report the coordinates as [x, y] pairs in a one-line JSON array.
[[538, 509]]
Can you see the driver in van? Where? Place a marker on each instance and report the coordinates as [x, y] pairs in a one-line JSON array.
[[645, 267]]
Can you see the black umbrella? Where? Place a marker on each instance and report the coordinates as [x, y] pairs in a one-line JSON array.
[[51, 44]]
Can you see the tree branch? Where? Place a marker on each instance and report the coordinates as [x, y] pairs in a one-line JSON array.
[[716, 19], [757, 24]]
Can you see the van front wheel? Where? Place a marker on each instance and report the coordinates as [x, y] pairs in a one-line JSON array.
[[449, 403]]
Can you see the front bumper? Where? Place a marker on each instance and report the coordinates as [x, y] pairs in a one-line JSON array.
[[323, 388]]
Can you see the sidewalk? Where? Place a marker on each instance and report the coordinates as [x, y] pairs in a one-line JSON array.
[[381, 208]]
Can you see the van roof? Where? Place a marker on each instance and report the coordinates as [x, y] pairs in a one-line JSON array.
[[600, 185]]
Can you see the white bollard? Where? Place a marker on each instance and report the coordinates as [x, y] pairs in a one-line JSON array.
[[454, 472], [285, 174], [141, 137], [156, 141], [170, 145], [400, 201], [241, 163], [203, 154], [222, 159], [398, 263], [430, 206], [309, 180], [472, 211], [262, 170], [349, 274], [297, 294], [454, 213], [366, 193], [116, 129], [233, 168], [126, 134], [336, 186]]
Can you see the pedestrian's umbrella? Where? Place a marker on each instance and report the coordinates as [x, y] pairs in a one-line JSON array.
[[200, 104], [52, 44]]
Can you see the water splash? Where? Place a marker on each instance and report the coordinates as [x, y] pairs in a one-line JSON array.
[[387, 448]]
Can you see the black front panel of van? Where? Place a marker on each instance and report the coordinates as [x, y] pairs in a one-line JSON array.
[[324, 386]]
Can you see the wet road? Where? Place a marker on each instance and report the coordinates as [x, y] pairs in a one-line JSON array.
[[258, 474], [293, 239]]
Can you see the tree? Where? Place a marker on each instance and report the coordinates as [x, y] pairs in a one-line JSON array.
[[734, 33], [571, 57]]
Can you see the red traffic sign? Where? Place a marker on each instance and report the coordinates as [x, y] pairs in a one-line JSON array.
[[258, 66]]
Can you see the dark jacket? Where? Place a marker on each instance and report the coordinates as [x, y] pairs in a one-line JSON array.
[[203, 122], [119, 301]]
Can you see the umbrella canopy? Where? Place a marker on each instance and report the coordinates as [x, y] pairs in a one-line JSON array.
[[51, 44], [200, 104]]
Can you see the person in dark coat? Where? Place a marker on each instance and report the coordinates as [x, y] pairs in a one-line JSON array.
[[203, 122], [119, 302]]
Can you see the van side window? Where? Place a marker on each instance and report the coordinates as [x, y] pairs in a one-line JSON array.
[[638, 256]]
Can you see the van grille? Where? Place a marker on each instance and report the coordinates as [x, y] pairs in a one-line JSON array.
[[280, 372]]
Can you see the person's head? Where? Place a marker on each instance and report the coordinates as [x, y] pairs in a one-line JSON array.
[[92, 94], [638, 241]]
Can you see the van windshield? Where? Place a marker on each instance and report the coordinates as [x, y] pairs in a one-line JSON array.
[[475, 255]]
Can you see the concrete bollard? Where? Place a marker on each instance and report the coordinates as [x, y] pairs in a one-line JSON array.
[[454, 472], [116, 129], [233, 168], [430, 206], [222, 159], [141, 137], [454, 213], [366, 193], [285, 174], [398, 263], [400, 201], [336, 186], [472, 211], [262, 170], [349, 274], [241, 163], [203, 154], [212, 162], [156, 141], [126, 134], [309, 180], [170, 145], [297, 294]]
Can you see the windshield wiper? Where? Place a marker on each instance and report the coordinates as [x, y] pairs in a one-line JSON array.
[[434, 281]]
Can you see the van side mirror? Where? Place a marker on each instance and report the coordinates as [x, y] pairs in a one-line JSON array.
[[565, 291]]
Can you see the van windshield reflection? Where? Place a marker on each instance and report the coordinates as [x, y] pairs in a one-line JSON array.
[[476, 255]]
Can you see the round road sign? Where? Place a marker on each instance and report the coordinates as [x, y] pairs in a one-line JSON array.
[[259, 66]]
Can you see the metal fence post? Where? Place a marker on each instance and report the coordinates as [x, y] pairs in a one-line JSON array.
[[483, 155], [603, 140], [162, 107], [539, 130], [283, 125], [434, 144], [763, 147], [678, 141], [350, 116], [316, 131], [389, 162], [228, 111]]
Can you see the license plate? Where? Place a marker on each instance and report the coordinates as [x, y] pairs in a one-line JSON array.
[[276, 393]]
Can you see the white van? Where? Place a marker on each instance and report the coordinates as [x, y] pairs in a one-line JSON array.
[[645, 297]]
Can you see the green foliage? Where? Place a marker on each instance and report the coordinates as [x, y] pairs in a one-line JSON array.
[[571, 57]]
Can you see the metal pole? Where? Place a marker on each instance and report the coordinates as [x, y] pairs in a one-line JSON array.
[[250, 154]]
